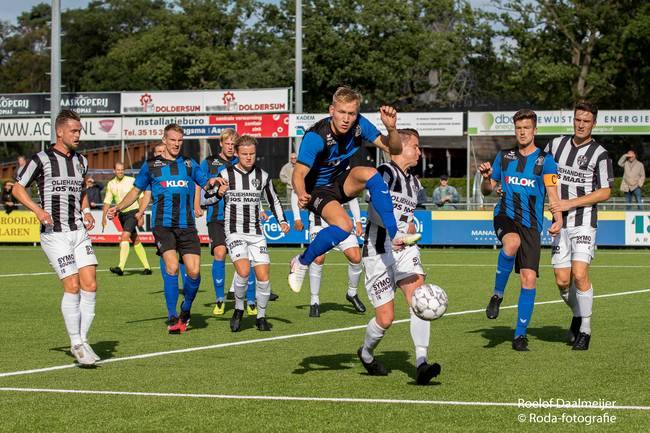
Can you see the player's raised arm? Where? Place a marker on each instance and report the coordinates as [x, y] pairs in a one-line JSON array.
[[488, 184], [392, 142]]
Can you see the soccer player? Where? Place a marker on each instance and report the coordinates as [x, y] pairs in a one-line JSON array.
[[350, 248], [322, 181], [585, 179], [65, 219], [172, 177], [385, 269], [246, 183], [213, 165], [116, 189], [525, 174]]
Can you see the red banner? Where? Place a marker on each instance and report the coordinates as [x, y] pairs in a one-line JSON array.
[[257, 125]]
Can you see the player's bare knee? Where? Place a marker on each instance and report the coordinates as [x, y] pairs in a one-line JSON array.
[[384, 320], [171, 269], [320, 260], [345, 225], [89, 286], [192, 273], [353, 255], [219, 252]]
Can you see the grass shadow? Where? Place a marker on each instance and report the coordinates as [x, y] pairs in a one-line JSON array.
[[331, 306], [495, 335], [104, 349]]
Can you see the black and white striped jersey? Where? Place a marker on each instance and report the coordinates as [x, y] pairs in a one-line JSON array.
[[404, 189], [60, 182], [581, 171], [242, 200]]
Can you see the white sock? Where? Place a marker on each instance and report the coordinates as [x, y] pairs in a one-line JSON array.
[[585, 302], [241, 284], [374, 334], [87, 309], [72, 316], [315, 273], [420, 333], [232, 284], [262, 294], [354, 273]]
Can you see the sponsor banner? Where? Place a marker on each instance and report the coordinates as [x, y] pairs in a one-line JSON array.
[[21, 104], [88, 103], [247, 101], [613, 122], [92, 129], [427, 124], [637, 228], [257, 125], [19, 226], [202, 102]]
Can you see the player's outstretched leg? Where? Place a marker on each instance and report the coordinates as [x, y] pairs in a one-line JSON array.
[[505, 263]]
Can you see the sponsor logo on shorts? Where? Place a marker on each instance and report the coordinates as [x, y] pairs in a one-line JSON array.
[[89, 250], [583, 240], [555, 250], [235, 244], [379, 287], [66, 260]]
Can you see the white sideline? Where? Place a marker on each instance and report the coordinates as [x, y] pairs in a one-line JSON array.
[[277, 338], [320, 399], [430, 265]]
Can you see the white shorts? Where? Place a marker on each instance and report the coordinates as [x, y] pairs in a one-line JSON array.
[[68, 251], [384, 271], [249, 247], [573, 243], [349, 242]]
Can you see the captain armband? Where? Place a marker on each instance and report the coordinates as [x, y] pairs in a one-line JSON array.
[[550, 180]]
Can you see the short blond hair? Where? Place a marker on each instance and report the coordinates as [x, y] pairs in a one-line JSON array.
[[227, 133], [173, 127], [345, 94]]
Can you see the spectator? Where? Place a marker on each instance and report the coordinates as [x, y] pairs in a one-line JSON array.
[[7, 199], [21, 162], [633, 178], [286, 172], [94, 192], [445, 195]]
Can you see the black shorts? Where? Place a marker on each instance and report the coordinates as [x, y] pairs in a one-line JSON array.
[[529, 251], [321, 195], [217, 233], [128, 221], [185, 241]]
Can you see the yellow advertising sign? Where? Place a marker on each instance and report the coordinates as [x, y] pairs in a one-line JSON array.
[[19, 226]]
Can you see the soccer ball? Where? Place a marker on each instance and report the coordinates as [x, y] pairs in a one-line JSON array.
[[429, 302]]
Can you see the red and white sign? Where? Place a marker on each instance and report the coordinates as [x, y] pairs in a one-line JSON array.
[[162, 102], [92, 129], [247, 101], [257, 125]]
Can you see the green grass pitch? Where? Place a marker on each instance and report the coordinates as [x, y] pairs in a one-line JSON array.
[[311, 381]]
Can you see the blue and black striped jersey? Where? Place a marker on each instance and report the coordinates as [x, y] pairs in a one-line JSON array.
[[328, 155], [172, 189], [212, 166], [522, 179]]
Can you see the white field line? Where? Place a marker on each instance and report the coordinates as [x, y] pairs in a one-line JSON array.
[[430, 265], [277, 338], [322, 399]]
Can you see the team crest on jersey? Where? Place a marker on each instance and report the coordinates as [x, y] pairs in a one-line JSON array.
[[510, 155], [79, 166], [256, 183], [357, 131], [188, 163], [583, 162], [540, 160]]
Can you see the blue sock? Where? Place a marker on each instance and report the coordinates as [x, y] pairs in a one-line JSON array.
[[218, 277], [250, 290], [183, 274], [170, 284], [505, 264], [524, 310], [382, 202], [190, 288], [325, 240]]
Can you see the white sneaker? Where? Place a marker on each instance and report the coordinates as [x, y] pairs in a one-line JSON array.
[[297, 272], [402, 240], [91, 353], [81, 355]]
